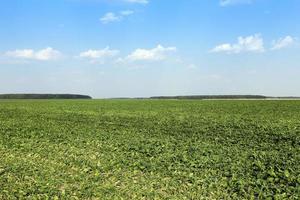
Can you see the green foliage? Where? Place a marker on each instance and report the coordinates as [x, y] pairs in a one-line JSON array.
[[149, 149], [213, 97], [43, 96]]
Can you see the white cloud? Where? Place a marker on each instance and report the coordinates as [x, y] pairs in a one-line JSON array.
[[156, 54], [283, 43], [252, 43], [126, 12], [99, 54], [47, 54], [44, 54], [192, 66], [113, 17], [138, 1], [110, 17], [24, 53], [234, 2]]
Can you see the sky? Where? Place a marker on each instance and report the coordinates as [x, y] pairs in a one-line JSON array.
[[142, 48]]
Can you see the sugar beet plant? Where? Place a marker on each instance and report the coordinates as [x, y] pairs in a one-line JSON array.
[[149, 149]]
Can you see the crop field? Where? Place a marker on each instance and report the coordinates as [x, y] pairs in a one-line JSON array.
[[149, 149]]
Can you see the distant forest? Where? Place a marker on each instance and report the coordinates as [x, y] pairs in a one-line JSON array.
[[44, 96], [195, 97], [212, 97]]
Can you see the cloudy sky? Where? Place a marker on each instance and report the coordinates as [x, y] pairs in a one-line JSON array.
[[140, 48]]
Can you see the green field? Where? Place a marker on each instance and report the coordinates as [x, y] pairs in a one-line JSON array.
[[149, 149]]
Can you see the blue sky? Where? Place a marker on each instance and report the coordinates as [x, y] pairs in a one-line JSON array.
[[140, 48]]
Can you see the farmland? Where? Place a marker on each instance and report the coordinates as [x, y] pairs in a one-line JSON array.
[[149, 149]]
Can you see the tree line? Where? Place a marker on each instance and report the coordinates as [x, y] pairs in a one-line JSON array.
[[44, 96]]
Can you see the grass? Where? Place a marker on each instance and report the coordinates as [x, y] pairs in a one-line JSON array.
[[149, 149]]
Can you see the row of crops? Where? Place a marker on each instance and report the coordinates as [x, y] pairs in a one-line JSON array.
[[149, 149]]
